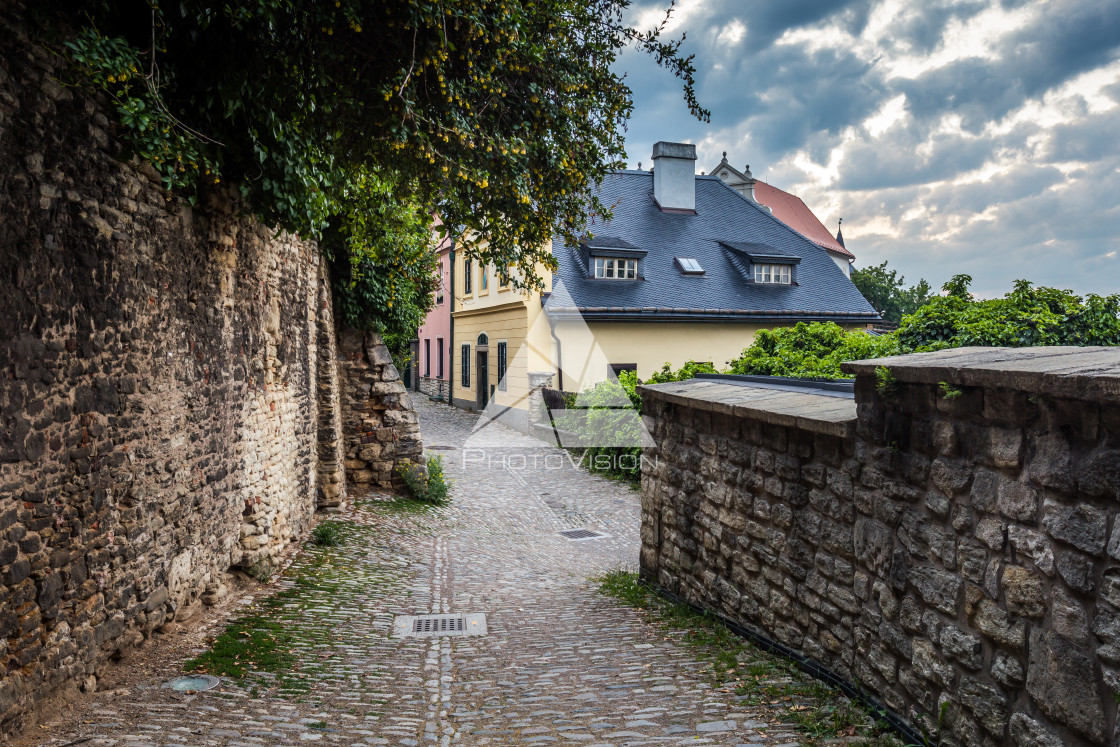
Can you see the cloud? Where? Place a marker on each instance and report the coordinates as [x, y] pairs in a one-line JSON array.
[[952, 136]]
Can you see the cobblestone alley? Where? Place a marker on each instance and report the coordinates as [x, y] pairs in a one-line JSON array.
[[560, 662]]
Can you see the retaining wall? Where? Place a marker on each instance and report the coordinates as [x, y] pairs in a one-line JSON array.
[[949, 539], [161, 369]]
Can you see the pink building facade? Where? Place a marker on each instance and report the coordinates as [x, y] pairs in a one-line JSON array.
[[433, 360]]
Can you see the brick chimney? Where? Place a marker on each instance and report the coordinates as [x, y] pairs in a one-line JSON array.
[[674, 175]]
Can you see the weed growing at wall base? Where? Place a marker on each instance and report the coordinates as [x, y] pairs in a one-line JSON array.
[[765, 681], [428, 486]]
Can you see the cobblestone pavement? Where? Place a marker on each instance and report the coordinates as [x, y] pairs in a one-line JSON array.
[[560, 663]]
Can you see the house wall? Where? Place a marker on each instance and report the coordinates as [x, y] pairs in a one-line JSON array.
[[587, 349], [950, 541], [437, 327], [505, 315], [509, 325]]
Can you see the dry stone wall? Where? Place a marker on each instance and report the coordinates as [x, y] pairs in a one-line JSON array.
[[950, 540], [160, 375], [382, 434]]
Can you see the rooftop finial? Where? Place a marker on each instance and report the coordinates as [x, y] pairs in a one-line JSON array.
[[639, 165], [725, 155]]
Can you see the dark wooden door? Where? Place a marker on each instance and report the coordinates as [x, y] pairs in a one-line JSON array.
[[482, 373]]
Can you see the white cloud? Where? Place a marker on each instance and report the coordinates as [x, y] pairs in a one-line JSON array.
[[732, 33], [891, 112]]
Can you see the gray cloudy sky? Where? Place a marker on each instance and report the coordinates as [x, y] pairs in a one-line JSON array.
[[950, 135]]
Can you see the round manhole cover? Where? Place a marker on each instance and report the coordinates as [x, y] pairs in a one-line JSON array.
[[192, 683]]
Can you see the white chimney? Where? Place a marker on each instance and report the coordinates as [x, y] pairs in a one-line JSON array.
[[674, 175]]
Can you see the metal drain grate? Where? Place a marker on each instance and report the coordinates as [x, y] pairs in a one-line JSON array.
[[440, 447], [438, 624], [582, 534], [424, 626]]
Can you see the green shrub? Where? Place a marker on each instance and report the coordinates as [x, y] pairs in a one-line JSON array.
[[813, 350], [430, 488], [327, 534]]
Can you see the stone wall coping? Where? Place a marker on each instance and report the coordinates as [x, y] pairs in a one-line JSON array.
[[1076, 372], [816, 413]]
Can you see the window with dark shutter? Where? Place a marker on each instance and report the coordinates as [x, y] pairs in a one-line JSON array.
[[466, 365], [427, 358]]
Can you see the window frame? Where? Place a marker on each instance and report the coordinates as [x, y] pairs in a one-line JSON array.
[[468, 277], [764, 273], [428, 357], [439, 357], [627, 271], [465, 379]]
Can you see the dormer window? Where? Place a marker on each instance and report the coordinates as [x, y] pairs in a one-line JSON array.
[[613, 268], [612, 258], [780, 274], [763, 264]]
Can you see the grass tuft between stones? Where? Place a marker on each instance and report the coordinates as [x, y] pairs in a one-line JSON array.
[[768, 682], [272, 647]]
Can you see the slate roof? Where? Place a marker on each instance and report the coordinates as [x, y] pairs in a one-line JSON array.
[[724, 292], [791, 210]]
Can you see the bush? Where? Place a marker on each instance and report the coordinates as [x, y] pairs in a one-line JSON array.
[[430, 488], [327, 534], [813, 350], [601, 418]]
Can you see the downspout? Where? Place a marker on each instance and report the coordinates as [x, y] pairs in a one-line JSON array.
[[559, 357], [451, 329]]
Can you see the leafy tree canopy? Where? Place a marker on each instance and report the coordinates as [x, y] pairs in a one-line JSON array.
[[884, 290], [499, 115]]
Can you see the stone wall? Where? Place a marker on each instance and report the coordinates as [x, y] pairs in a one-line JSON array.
[[159, 367], [382, 433], [949, 540]]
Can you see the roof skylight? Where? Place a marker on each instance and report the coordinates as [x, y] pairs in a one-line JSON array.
[[689, 266]]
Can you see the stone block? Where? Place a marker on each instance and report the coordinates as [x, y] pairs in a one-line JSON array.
[[1098, 473], [987, 703], [1017, 501], [1026, 732], [949, 478], [1023, 591], [1083, 526], [994, 623], [1063, 682], [1077, 571], [1007, 670], [966, 649], [937, 588]]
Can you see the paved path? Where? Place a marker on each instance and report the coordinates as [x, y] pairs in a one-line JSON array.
[[560, 663]]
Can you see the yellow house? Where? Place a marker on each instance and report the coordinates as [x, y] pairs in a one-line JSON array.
[[500, 336], [686, 269]]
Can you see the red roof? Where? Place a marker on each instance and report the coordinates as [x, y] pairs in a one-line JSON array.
[[789, 209]]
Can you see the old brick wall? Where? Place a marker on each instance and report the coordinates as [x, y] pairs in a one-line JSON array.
[[159, 377], [381, 432], [953, 546]]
